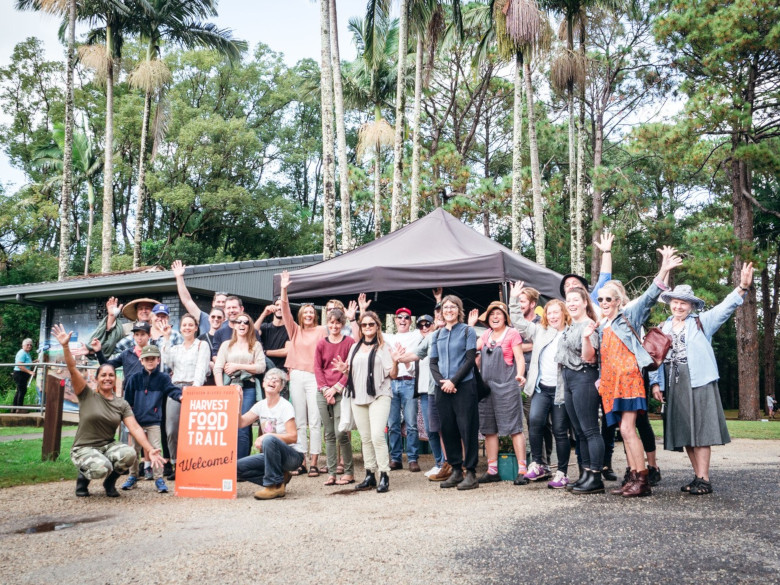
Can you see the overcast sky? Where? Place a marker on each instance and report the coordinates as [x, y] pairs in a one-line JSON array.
[[290, 27]]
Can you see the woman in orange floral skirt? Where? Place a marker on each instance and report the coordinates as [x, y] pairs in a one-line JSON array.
[[622, 359]]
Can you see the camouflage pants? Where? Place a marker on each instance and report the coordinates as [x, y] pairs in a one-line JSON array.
[[98, 462]]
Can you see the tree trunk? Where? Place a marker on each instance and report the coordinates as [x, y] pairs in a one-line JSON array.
[[67, 150], [139, 207], [377, 196], [536, 172], [400, 103], [746, 315], [580, 219], [598, 196], [770, 291], [574, 253], [108, 167], [341, 134], [418, 68], [517, 153], [328, 159], [91, 190]]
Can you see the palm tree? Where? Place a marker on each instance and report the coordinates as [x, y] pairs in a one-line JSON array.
[[519, 29], [426, 20], [63, 7], [341, 132], [86, 164], [161, 22], [369, 82], [328, 158]]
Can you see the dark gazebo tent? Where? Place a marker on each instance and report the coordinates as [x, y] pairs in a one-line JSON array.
[[401, 268]]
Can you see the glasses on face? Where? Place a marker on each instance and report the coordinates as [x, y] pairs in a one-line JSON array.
[[242, 322], [424, 325], [605, 299], [367, 325], [403, 317], [449, 308]]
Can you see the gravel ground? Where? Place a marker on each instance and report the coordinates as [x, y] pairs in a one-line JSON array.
[[416, 533]]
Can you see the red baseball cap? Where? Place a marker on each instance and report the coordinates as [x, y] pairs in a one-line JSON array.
[[403, 310]]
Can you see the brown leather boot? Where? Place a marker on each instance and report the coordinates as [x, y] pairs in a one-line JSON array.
[[631, 477], [639, 488]]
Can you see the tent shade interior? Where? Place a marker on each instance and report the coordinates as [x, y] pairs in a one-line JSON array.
[[402, 268]]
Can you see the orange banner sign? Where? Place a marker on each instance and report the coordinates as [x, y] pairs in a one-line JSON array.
[[208, 436]]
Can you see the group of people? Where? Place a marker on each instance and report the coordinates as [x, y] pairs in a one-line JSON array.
[[569, 367]]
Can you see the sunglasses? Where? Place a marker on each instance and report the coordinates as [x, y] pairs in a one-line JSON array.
[[368, 325], [605, 299], [241, 322], [424, 324], [403, 317], [492, 346]]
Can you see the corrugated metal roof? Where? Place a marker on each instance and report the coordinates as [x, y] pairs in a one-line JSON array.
[[251, 279]]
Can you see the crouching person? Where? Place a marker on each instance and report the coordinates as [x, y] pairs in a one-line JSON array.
[[146, 391], [96, 453], [279, 452]]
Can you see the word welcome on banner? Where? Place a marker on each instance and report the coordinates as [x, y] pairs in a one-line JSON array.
[[208, 436]]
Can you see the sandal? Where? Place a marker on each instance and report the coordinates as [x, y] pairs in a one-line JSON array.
[[344, 481], [701, 488], [331, 480], [340, 468], [313, 471], [300, 471], [687, 487]]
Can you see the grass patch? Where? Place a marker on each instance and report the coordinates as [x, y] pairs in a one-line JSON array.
[[8, 431], [739, 429], [20, 463]]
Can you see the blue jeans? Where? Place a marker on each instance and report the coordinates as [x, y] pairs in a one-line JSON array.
[[541, 407], [267, 468], [245, 434], [433, 436], [403, 398]]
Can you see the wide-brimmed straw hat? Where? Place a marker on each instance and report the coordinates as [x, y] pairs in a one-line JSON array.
[[131, 309], [683, 292], [496, 305]]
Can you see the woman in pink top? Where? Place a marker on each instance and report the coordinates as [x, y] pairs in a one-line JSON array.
[[304, 335], [335, 346]]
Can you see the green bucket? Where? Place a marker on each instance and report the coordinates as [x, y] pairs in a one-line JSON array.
[[507, 466]]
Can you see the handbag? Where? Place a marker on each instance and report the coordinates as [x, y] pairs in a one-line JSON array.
[[347, 421], [656, 344]]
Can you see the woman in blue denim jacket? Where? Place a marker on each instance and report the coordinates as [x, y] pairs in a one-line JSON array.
[[694, 413], [622, 358]]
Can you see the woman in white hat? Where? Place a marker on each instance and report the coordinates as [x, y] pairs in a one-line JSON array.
[[694, 413]]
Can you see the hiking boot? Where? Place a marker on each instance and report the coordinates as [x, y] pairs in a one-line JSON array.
[[160, 485], [654, 474], [270, 492], [638, 488], [444, 473]]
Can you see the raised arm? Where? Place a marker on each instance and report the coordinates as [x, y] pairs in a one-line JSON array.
[[184, 294], [76, 377], [287, 316]]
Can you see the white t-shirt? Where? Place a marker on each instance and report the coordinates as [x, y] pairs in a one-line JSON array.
[[548, 365], [273, 420], [409, 341]]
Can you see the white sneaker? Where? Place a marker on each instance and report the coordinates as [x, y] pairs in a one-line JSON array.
[[433, 471]]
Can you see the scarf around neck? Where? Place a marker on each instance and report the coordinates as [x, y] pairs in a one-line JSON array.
[[370, 382]]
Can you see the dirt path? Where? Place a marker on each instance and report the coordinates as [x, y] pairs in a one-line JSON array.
[[416, 533]]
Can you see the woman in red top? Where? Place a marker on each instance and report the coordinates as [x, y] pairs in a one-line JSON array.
[[304, 335], [334, 347]]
